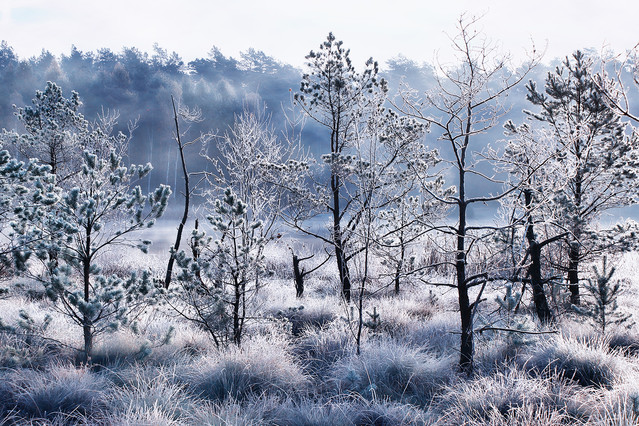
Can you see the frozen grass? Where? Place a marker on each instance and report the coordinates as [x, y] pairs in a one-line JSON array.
[[619, 406], [151, 395], [61, 390], [319, 349], [259, 367], [437, 335], [120, 349], [624, 342], [301, 369], [230, 412], [587, 363], [387, 370], [344, 412], [511, 397]]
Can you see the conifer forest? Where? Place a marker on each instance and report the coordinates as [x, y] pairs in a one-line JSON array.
[[239, 241]]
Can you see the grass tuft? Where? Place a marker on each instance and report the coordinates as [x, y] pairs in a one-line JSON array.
[[387, 370], [60, 390], [588, 363], [258, 368]]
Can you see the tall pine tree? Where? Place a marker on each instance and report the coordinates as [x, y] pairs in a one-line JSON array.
[[600, 161]]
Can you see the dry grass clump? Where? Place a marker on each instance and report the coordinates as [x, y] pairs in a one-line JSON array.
[[259, 367], [512, 397], [388, 370], [586, 362], [59, 391]]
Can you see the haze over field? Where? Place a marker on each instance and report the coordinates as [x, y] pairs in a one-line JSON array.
[[259, 55]]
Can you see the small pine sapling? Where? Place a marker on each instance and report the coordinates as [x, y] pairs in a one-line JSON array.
[[102, 210], [508, 303], [374, 322], [216, 285], [517, 328], [605, 312]]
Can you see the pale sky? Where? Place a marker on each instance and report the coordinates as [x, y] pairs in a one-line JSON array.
[[289, 29]]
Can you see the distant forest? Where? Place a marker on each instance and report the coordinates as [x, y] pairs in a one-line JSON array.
[[139, 85]]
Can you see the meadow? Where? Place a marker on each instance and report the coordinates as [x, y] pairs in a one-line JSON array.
[[298, 365]]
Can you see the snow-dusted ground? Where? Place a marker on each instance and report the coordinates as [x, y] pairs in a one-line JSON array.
[[299, 366]]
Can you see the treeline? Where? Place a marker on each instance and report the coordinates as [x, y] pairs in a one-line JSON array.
[[139, 86]]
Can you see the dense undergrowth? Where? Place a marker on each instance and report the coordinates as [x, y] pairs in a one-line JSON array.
[[299, 366]]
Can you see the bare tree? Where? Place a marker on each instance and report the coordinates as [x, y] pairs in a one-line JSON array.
[[188, 116], [241, 203], [467, 102]]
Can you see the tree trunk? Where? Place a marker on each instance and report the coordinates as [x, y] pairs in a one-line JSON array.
[[187, 196], [342, 264], [299, 277], [237, 335], [573, 273], [344, 275], [87, 323], [534, 270], [400, 266], [465, 309], [338, 240]]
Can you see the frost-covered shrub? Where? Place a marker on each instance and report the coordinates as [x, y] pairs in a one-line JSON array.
[[587, 363], [386, 369], [18, 351], [255, 369], [31, 334]]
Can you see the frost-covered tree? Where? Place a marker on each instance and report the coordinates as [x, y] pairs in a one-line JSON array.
[[403, 211], [529, 160], [379, 176], [27, 189], [365, 165], [467, 102], [217, 283], [400, 229], [242, 201], [604, 312], [599, 160], [53, 127], [252, 159], [103, 210], [338, 98]]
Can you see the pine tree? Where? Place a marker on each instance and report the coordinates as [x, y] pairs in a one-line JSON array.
[[54, 131], [600, 162], [102, 210], [217, 285], [336, 96], [27, 189], [604, 312]]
